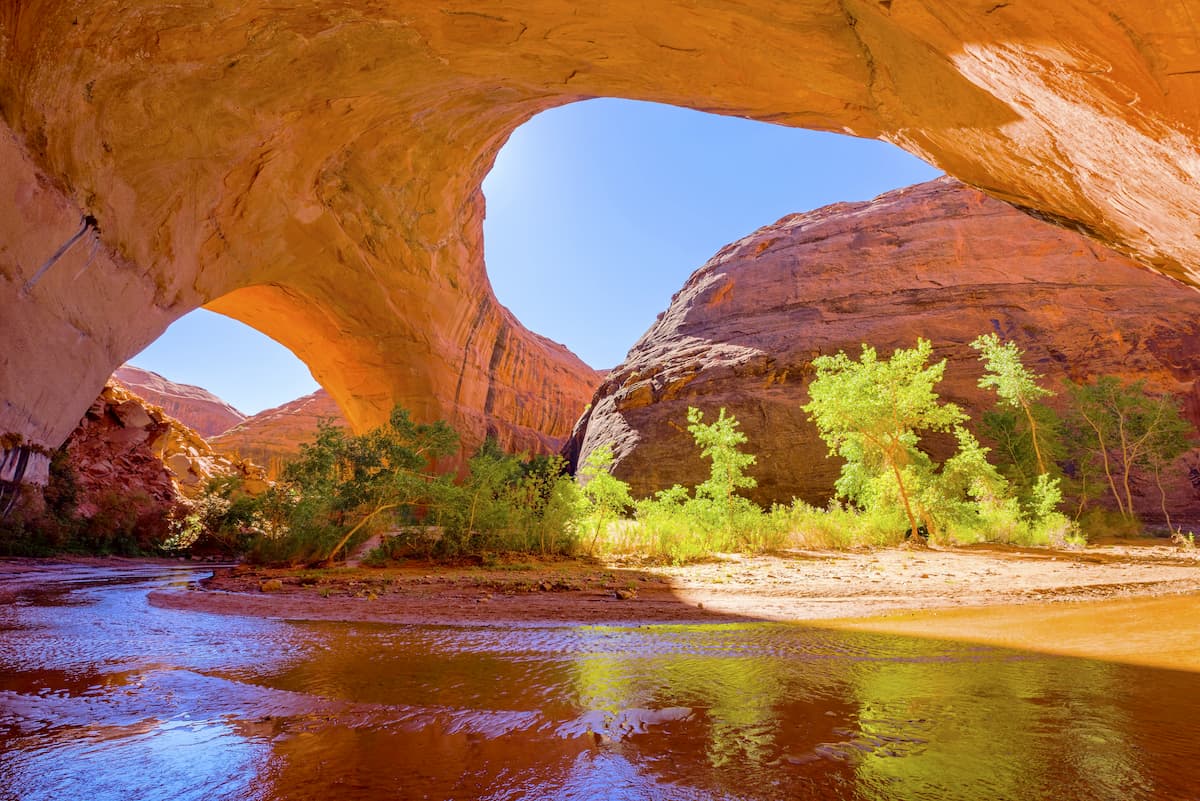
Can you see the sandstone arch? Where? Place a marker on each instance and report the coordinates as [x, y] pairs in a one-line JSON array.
[[316, 171]]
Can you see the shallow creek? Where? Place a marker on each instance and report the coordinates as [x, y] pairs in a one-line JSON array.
[[103, 696]]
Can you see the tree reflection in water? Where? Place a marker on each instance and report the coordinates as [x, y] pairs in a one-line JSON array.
[[106, 697]]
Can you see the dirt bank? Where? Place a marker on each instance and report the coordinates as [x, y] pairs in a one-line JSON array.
[[792, 586]]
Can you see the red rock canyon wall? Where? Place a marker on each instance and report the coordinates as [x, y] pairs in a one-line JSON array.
[[939, 261], [193, 406]]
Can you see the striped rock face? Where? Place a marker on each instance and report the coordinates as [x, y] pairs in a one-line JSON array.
[[273, 437], [193, 406]]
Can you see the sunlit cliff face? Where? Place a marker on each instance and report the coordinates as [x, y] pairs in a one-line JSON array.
[[314, 171], [938, 261]]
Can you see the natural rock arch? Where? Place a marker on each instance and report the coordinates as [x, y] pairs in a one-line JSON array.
[[315, 171]]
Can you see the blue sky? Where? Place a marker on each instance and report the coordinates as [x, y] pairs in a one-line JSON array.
[[597, 213]]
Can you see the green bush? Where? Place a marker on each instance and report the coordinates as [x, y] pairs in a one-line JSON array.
[[46, 524], [603, 497], [508, 504], [840, 527], [221, 519], [1098, 523], [127, 522], [681, 526], [344, 488], [1121, 431]]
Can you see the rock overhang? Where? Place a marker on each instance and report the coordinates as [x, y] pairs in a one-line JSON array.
[[315, 172]]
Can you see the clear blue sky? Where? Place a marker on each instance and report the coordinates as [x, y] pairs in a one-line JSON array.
[[597, 213]]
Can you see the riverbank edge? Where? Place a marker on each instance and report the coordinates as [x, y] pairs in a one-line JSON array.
[[793, 586], [1131, 602]]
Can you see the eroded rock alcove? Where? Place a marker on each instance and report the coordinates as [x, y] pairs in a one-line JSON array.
[[314, 169]]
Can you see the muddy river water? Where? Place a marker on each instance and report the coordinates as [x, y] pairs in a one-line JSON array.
[[105, 697]]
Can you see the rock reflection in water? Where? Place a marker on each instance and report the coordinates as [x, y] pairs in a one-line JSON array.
[[105, 697]]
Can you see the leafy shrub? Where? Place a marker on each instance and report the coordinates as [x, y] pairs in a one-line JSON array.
[[1100, 523], [681, 526], [604, 496], [508, 503], [840, 527], [41, 526], [343, 488], [127, 522], [223, 519]]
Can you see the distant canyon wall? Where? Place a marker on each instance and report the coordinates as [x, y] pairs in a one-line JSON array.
[[273, 437], [194, 406]]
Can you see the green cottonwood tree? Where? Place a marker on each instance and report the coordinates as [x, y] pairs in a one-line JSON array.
[[1017, 388], [606, 495], [1022, 425], [343, 476], [1124, 428], [870, 412], [718, 441]]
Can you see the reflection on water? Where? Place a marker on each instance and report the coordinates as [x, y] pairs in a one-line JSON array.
[[105, 697]]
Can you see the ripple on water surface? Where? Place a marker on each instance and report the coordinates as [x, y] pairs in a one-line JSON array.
[[103, 696]]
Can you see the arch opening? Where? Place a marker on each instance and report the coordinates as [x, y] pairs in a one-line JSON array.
[[599, 210], [242, 366], [204, 177]]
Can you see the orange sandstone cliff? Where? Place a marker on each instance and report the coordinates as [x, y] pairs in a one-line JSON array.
[[273, 436], [193, 406]]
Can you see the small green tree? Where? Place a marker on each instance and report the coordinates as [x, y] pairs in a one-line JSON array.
[[551, 496], [1018, 388], [1025, 429], [606, 495], [1124, 429], [871, 412], [687, 525], [341, 478], [1172, 437], [718, 441], [483, 501]]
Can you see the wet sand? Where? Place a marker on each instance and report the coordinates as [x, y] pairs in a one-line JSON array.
[[1035, 599], [1158, 632], [791, 586]]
